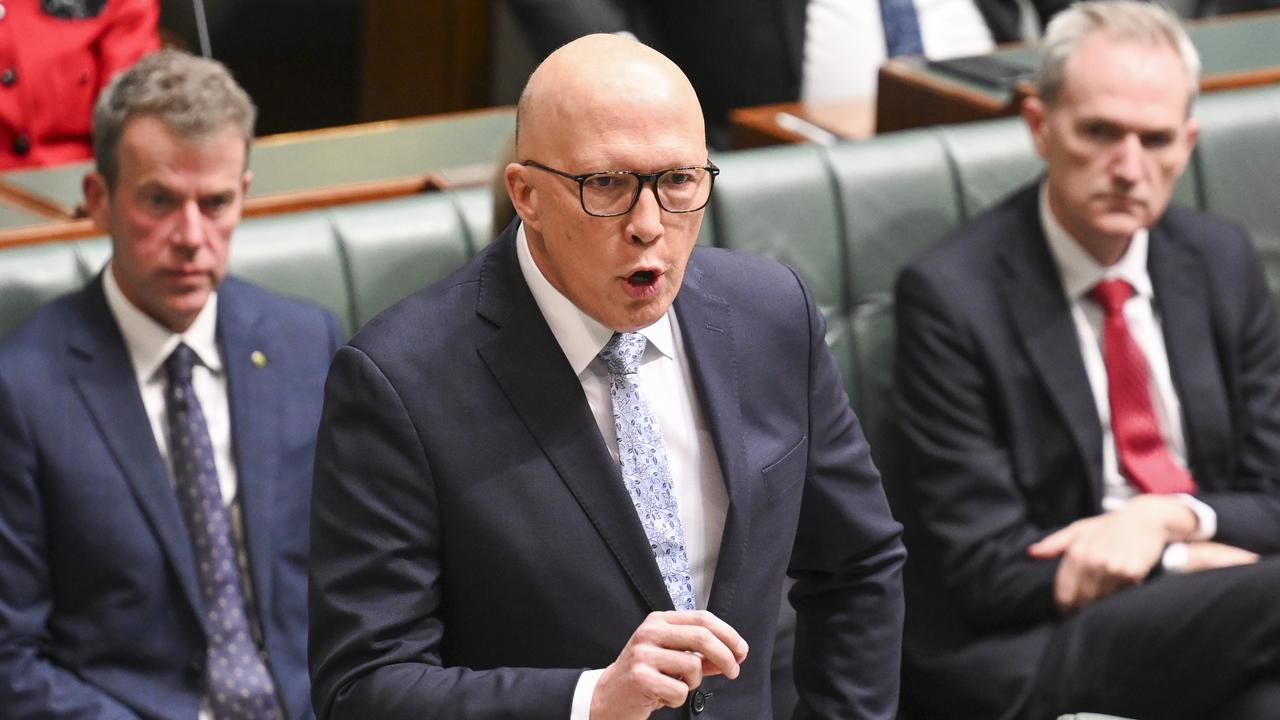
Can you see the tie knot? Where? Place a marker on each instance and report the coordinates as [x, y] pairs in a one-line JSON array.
[[1112, 294], [179, 364], [622, 353]]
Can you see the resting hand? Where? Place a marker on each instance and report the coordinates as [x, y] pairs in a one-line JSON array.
[[1112, 551], [1205, 555], [665, 659]]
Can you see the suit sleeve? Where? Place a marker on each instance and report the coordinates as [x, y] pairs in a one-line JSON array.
[[1248, 507], [959, 465], [548, 24], [377, 622], [32, 685], [847, 561]]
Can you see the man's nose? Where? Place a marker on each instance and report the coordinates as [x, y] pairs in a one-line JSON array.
[[644, 222], [1126, 165], [189, 230]]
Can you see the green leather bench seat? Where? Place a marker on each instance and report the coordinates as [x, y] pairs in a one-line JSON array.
[[32, 275], [846, 217], [400, 244], [1238, 166], [781, 202]]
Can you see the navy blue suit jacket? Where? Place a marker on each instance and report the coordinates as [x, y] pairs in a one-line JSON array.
[[100, 609], [474, 548], [1004, 441]]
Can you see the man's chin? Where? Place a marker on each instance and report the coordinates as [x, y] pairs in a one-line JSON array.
[[1120, 226], [639, 315]]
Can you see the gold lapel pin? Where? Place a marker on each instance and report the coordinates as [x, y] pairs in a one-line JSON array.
[[259, 360]]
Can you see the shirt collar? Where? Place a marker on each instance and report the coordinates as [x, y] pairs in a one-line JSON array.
[[580, 336], [150, 343], [1079, 271]]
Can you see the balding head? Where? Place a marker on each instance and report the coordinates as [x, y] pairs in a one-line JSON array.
[[604, 103], [583, 89]]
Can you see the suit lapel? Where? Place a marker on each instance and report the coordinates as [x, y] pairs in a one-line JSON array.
[[1185, 312], [255, 405], [532, 371], [1032, 294], [706, 325], [103, 376]]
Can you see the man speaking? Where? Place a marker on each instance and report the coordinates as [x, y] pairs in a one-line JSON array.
[[567, 481]]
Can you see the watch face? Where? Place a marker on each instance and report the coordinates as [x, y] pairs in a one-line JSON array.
[[72, 9]]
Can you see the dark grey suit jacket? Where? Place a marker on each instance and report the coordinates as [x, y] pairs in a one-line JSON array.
[[1004, 441], [474, 548], [100, 607]]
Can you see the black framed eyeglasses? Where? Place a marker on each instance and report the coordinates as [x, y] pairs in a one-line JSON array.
[[614, 192]]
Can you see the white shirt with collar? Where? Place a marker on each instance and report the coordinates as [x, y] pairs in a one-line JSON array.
[[1079, 273], [667, 382], [149, 344], [844, 44]]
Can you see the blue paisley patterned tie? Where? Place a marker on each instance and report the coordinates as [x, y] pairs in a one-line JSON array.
[[644, 466], [239, 686]]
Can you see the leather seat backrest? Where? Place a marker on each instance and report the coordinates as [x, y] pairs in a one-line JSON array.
[[780, 202]]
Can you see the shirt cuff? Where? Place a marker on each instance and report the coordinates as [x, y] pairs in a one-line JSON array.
[[1174, 559], [583, 693], [1206, 518]]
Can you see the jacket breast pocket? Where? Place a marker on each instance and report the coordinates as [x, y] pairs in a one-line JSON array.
[[787, 471]]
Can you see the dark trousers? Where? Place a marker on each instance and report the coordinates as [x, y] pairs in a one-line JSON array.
[[1200, 646]]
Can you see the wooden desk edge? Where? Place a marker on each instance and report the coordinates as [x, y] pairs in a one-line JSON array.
[[376, 126], [34, 203], [908, 98], [51, 232]]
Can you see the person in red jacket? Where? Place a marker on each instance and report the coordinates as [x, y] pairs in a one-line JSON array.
[[55, 55]]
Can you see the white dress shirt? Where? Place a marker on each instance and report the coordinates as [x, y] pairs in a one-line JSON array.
[[149, 344], [667, 383], [844, 43], [1079, 273]]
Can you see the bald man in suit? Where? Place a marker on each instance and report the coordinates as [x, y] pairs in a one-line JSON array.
[[511, 519]]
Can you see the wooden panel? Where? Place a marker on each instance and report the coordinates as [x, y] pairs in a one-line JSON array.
[[424, 56]]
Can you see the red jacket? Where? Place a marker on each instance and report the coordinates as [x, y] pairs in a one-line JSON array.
[[51, 70]]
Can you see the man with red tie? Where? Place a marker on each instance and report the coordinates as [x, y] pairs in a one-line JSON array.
[[1089, 389]]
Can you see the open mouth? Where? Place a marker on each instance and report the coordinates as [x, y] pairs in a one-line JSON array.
[[641, 278]]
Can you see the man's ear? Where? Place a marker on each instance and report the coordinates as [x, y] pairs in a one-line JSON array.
[[1190, 134], [1036, 116], [97, 199], [524, 198], [245, 181], [1193, 134]]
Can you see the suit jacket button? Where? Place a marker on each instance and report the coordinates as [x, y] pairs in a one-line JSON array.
[[698, 703], [21, 144], [9, 76]]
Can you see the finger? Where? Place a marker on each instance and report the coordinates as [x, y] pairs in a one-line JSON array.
[[1066, 585], [718, 627], [687, 667], [663, 688], [1054, 544], [723, 631]]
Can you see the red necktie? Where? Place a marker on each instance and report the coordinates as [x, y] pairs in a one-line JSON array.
[[1143, 456]]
